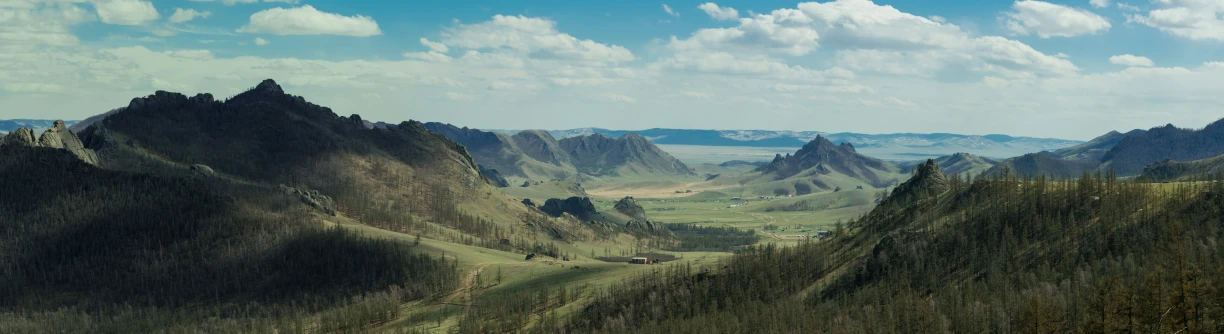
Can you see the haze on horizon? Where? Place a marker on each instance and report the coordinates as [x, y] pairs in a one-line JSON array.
[[1064, 69]]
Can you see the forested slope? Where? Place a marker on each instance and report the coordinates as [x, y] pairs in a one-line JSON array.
[[999, 255], [91, 250]]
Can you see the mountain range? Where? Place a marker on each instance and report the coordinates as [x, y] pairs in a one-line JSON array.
[[896, 145], [818, 166], [537, 155]]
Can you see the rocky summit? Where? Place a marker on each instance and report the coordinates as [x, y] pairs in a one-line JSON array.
[[57, 137]]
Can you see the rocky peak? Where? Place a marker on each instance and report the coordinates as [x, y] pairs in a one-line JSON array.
[[57, 137], [270, 86], [928, 181], [629, 207]]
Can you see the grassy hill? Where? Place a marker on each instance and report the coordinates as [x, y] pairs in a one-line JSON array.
[[1171, 170]]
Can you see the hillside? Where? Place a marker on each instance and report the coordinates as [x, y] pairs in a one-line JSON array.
[[946, 255], [629, 155], [960, 163], [89, 250], [1134, 152], [527, 155], [1094, 149], [401, 178], [1172, 170]]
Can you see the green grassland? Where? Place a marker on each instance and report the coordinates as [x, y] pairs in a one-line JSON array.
[[482, 268]]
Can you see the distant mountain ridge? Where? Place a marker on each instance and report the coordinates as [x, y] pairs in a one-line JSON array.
[[538, 155], [36, 125], [1002, 145], [1126, 154]]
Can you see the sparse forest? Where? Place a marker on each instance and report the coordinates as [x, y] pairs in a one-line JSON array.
[[86, 249], [998, 255]]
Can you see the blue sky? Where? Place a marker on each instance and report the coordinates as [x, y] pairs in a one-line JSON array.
[[1068, 69]]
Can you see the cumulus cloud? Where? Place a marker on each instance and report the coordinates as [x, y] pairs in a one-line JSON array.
[[867, 37], [1124, 6], [126, 12], [531, 35], [431, 56], [183, 15], [1192, 19], [261, 42], [1099, 3], [1031, 17], [719, 13], [1131, 60], [306, 20]]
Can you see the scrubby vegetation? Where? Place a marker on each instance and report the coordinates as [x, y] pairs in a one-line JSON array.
[[721, 239], [997, 255]]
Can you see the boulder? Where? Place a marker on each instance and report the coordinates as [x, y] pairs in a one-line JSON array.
[[312, 198]]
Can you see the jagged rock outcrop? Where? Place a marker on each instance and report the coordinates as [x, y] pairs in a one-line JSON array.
[[203, 170], [57, 137], [629, 207], [580, 207], [312, 198], [928, 182], [645, 225]]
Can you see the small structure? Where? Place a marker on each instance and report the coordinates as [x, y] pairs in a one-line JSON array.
[[639, 260], [822, 234]]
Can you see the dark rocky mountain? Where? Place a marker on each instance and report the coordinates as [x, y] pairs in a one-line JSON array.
[[822, 157], [1134, 152], [630, 154], [1094, 149], [379, 175], [580, 207], [541, 146], [57, 137]]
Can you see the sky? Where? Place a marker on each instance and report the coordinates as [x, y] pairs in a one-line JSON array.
[[1064, 69]]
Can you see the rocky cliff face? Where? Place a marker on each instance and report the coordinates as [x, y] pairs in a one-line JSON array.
[[580, 207], [57, 137], [629, 207]]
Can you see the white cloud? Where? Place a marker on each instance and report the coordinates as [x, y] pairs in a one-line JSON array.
[[669, 10], [1192, 19], [183, 15], [719, 13], [306, 20], [126, 12], [867, 37], [617, 98], [431, 56], [163, 32], [434, 46], [261, 42], [1052, 20], [190, 54], [1131, 60], [938, 19], [532, 36], [1099, 3], [236, 2], [698, 95], [1124, 6], [35, 23]]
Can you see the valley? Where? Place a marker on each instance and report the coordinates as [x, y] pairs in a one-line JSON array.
[[341, 224]]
